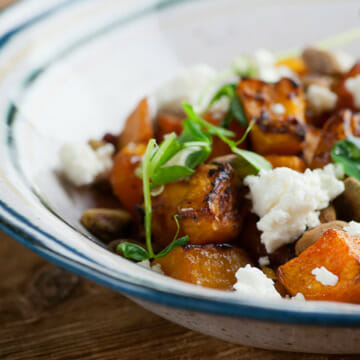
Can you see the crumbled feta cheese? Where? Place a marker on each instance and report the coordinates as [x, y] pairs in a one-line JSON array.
[[288, 202], [344, 59], [253, 282], [265, 63], [82, 165], [264, 261], [147, 265], [278, 109], [298, 297], [325, 277], [320, 99], [353, 86], [187, 86], [353, 228]]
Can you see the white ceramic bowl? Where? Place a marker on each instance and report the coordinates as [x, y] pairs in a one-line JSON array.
[[71, 70]]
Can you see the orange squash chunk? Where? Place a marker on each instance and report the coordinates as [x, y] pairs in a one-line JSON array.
[[338, 127], [292, 162], [212, 266], [345, 98], [125, 184], [138, 127], [296, 64], [166, 124], [274, 133], [212, 209], [164, 207], [339, 253]]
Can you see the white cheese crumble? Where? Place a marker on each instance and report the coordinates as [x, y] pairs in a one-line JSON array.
[[353, 86], [345, 60], [253, 282], [83, 165], [278, 109], [353, 228], [265, 63], [298, 297], [186, 86], [325, 277], [264, 261], [320, 99], [288, 202], [147, 265]]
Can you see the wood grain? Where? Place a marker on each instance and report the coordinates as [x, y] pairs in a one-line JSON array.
[[48, 313]]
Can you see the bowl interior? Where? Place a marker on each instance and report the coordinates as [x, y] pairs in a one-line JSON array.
[[77, 71]]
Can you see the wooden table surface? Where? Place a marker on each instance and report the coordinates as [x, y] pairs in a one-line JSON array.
[[48, 313]]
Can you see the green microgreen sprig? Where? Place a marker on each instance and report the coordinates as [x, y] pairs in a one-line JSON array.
[[347, 153], [236, 109], [177, 157]]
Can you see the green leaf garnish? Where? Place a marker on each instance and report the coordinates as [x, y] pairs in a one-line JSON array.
[[253, 163], [133, 251], [176, 242], [169, 174], [347, 153], [236, 110]]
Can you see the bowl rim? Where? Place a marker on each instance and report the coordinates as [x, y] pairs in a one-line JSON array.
[[28, 235]]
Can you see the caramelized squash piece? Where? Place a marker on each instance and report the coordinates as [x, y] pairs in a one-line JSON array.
[[275, 132], [167, 123], [292, 162], [212, 209], [138, 127], [295, 64], [345, 98], [212, 266], [125, 184], [339, 253], [164, 207], [341, 125]]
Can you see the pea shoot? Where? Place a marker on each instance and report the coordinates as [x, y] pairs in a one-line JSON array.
[[176, 158]]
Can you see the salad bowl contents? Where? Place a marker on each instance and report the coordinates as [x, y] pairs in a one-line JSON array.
[[247, 182], [225, 201]]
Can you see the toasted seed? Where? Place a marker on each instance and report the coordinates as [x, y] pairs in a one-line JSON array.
[[321, 61], [107, 224], [328, 214], [325, 81], [348, 203], [96, 144], [310, 237]]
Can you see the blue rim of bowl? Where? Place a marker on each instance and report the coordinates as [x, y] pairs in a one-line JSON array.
[[213, 306]]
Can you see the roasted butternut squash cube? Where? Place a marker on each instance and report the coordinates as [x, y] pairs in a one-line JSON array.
[[212, 266], [341, 125], [296, 64], [290, 161], [167, 123], [125, 184], [279, 111], [345, 97], [164, 208], [138, 127], [339, 253], [212, 209]]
